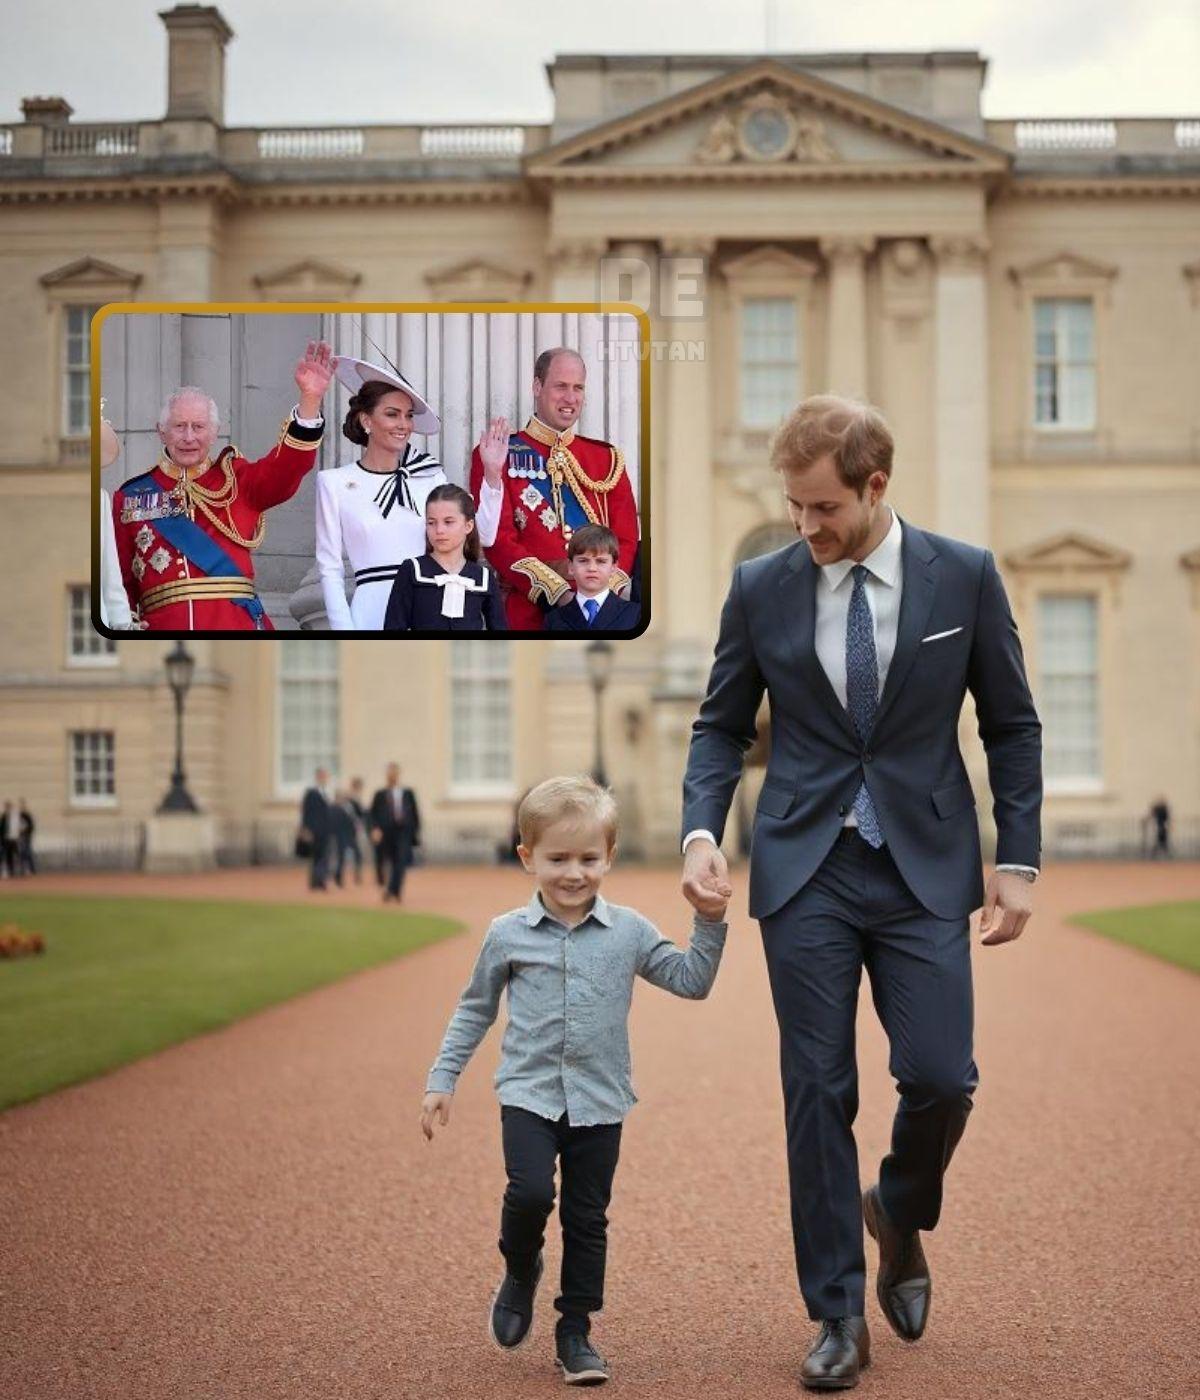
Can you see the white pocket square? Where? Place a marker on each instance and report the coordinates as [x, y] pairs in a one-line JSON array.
[[937, 636]]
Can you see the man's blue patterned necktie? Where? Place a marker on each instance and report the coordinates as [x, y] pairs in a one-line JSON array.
[[591, 608], [862, 693]]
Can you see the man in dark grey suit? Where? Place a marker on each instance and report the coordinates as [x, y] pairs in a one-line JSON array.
[[865, 637]]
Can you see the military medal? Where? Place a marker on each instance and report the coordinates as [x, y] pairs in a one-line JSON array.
[[138, 566], [520, 517], [144, 539], [531, 497], [160, 559], [548, 518]]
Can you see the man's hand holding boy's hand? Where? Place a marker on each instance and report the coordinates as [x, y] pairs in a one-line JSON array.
[[434, 1106], [706, 884]]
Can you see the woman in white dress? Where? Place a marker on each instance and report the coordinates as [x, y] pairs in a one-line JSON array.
[[373, 508]]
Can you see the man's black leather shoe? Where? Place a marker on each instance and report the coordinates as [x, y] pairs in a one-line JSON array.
[[579, 1361], [841, 1351], [512, 1309], [903, 1285]]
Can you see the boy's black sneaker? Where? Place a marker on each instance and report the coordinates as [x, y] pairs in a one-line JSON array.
[[511, 1315], [579, 1362]]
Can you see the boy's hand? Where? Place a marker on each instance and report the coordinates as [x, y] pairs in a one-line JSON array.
[[434, 1106], [705, 882]]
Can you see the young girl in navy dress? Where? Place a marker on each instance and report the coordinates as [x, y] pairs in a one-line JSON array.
[[448, 589]]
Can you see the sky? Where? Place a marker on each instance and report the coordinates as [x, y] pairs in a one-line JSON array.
[[350, 61]]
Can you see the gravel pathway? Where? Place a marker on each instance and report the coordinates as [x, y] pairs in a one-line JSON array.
[[255, 1213]]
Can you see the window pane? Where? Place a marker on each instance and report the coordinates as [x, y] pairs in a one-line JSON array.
[[309, 694], [480, 713], [93, 764], [769, 360], [1068, 650], [77, 357], [1064, 362]]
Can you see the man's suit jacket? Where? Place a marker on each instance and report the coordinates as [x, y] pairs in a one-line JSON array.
[[615, 615], [314, 813], [955, 633], [383, 816]]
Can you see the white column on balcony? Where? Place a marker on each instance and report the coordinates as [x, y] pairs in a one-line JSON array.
[[961, 390], [687, 552], [847, 352]]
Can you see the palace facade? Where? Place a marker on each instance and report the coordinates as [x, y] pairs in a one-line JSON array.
[[1021, 298]]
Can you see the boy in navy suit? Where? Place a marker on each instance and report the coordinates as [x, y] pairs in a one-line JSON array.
[[593, 607]]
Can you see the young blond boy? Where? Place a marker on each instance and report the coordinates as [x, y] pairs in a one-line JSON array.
[[568, 960]]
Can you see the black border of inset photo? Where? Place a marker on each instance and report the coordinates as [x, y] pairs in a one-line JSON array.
[[387, 308]]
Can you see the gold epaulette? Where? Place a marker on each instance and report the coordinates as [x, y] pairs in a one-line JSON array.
[[543, 581]]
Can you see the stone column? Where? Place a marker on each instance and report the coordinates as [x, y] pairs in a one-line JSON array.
[[188, 229], [846, 363], [684, 548], [684, 557], [903, 385], [961, 437], [575, 268]]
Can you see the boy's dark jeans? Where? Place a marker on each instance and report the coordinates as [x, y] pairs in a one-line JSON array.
[[588, 1159]]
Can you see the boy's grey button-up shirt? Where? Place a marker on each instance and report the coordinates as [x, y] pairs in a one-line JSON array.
[[566, 1046]]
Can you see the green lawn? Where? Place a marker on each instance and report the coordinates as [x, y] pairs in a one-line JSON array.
[[1170, 931], [121, 978]]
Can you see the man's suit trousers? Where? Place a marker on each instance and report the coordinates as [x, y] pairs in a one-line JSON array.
[[856, 911]]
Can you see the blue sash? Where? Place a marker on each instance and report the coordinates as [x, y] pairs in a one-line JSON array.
[[198, 548], [526, 460]]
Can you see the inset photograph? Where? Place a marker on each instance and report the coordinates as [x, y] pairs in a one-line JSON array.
[[377, 473]]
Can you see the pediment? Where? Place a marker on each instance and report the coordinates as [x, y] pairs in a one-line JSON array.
[[89, 273], [767, 121], [1064, 267], [768, 265], [308, 280], [1070, 552], [478, 279]]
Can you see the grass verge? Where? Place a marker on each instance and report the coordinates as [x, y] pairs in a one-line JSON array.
[[122, 978]]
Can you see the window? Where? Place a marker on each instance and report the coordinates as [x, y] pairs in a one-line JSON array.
[[309, 687], [480, 717], [1064, 363], [85, 646], [93, 769], [1068, 666], [77, 369], [769, 360]]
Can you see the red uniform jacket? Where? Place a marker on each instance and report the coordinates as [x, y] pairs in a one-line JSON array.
[[245, 489], [530, 535]]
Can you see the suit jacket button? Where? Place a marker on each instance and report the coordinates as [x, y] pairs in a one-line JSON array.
[[843, 810], [867, 756]]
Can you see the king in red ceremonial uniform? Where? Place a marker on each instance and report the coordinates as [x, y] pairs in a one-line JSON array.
[[554, 481], [185, 530]]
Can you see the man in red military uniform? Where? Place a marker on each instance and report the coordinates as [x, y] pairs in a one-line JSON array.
[[554, 481], [185, 530]]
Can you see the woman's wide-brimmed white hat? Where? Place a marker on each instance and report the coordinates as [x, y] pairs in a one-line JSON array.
[[355, 373]]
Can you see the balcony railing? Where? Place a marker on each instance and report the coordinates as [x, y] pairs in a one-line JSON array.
[[1134, 136], [100, 141]]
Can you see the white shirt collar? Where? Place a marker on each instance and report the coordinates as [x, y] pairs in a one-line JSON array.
[[883, 561], [598, 598]]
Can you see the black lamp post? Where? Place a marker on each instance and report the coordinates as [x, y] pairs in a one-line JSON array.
[[599, 656], [180, 664]]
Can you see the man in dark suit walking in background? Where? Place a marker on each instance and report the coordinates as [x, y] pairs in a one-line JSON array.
[[315, 820], [865, 637], [395, 829]]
